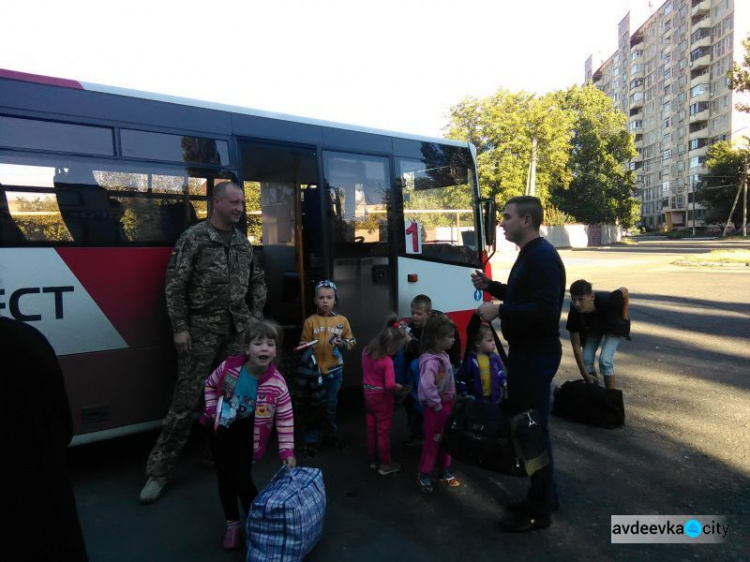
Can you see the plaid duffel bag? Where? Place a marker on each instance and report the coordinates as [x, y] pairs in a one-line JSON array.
[[286, 518]]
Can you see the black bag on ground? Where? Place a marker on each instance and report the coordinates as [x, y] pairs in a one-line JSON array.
[[481, 434], [590, 404]]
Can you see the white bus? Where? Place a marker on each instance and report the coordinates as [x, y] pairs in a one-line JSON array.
[[97, 183]]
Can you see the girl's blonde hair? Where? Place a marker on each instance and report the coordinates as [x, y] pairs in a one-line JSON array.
[[437, 326], [264, 329], [390, 338]]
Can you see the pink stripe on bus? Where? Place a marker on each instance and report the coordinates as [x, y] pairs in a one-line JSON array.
[[26, 77]]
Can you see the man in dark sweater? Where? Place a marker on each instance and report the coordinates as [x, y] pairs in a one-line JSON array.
[[530, 317], [597, 318]]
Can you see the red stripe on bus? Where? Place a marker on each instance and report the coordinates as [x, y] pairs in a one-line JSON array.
[[49, 80], [128, 286]]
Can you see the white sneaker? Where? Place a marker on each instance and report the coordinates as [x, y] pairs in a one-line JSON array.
[[152, 490], [386, 469]]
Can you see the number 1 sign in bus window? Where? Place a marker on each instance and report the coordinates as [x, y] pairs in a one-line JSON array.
[[413, 232]]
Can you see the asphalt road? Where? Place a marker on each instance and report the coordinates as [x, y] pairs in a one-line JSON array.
[[685, 449]]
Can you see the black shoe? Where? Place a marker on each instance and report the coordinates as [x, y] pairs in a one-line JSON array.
[[523, 523], [523, 506]]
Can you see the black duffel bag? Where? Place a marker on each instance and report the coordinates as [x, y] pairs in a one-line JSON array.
[[481, 434], [590, 404]]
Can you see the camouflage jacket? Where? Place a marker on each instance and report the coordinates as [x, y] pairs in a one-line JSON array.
[[213, 286]]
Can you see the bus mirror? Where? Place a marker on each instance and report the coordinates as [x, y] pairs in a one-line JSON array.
[[490, 221]]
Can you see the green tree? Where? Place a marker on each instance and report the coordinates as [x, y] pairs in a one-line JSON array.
[[717, 188], [601, 187], [740, 76], [502, 127]]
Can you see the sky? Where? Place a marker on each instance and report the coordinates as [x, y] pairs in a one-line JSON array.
[[395, 65]]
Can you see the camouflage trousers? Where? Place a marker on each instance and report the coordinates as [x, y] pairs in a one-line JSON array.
[[193, 368]]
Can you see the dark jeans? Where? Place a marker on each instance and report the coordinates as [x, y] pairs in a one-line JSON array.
[[530, 372], [414, 419], [232, 448]]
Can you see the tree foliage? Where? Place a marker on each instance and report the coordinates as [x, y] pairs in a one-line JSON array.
[[717, 188], [601, 188], [501, 127], [582, 143], [741, 76]]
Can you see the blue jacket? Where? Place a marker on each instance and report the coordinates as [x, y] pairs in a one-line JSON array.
[[470, 381], [408, 374]]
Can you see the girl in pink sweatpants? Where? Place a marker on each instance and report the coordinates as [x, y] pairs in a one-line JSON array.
[[436, 391], [379, 384]]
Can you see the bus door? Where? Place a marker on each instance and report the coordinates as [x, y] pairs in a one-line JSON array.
[[280, 182], [358, 192]]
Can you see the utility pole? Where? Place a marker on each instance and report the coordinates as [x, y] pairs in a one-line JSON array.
[[744, 197], [693, 186], [531, 180], [734, 206]]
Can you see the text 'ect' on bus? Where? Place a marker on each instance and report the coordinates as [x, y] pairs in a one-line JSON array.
[[19, 312]]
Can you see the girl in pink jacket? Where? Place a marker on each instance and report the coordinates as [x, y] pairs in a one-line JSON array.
[[379, 384], [436, 391], [244, 395]]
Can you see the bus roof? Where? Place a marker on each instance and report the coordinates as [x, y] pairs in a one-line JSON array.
[[114, 90]]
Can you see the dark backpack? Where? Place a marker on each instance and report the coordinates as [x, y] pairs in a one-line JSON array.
[[590, 404]]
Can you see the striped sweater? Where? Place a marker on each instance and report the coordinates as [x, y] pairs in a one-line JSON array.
[[273, 403]]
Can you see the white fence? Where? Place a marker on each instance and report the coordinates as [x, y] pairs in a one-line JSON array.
[[570, 236]]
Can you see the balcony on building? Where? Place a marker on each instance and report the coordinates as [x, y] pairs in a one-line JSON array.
[[700, 58], [597, 76], [636, 38], [700, 7], [699, 93], [701, 38], [698, 147], [636, 100], [701, 22], [700, 76], [636, 70], [698, 113], [635, 126], [700, 131]]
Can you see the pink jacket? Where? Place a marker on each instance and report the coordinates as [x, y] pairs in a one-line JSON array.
[[436, 382], [273, 402], [378, 373]]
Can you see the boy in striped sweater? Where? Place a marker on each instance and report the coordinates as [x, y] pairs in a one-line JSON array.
[[244, 395]]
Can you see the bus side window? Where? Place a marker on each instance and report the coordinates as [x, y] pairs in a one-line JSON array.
[[10, 234], [86, 208], [176, 217]]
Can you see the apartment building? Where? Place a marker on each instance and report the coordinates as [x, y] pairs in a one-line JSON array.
[[670, 77]]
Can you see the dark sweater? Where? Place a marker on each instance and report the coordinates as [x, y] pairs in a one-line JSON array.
[[605, 319], [533, 297]]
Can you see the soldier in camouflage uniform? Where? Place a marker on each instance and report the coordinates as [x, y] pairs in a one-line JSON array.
[[215, 287]]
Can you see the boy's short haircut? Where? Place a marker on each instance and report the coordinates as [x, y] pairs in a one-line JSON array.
[[264, 329], [422, 300], [580, 288]]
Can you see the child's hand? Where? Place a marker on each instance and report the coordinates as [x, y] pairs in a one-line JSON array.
[[290, 462], [399, 387], [337, 341]]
